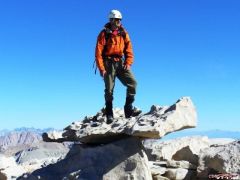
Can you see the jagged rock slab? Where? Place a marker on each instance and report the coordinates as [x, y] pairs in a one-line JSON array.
[[123, 159], [158, 122], [219, 159]]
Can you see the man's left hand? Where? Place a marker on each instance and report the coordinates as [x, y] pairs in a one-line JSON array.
[[126, 67]]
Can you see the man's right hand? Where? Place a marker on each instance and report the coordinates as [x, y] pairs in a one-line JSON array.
[[102, 73]]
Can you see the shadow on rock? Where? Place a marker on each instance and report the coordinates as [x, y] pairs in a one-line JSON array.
[[117, 160]]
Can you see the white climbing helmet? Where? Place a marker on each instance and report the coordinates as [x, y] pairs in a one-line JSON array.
[[115, 14]]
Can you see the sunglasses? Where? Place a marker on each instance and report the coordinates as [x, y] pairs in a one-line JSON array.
[[115, 19]]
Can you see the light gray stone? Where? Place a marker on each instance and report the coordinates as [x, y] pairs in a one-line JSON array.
[[159, 177], [180, 174], [220, 159], [181, 164], [9, 168], [172, 169], [185, 148], [157, 168], [220, 141]]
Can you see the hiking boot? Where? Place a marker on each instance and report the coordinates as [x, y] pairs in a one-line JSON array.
[[131, 111], [109, 119], [136, 112], [109, 112]]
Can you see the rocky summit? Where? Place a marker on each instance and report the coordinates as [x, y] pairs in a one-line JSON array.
[[126, 149], [156, 123]]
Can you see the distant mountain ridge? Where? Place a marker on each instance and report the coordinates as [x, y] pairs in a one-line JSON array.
[[215, 133], [20, 137], [4, 132]]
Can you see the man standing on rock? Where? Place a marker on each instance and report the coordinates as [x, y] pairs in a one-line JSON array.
[[114, 57]]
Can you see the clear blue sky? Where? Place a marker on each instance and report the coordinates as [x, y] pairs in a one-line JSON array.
[[182, 48]]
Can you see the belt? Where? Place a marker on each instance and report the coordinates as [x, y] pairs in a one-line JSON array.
[[113, 57]]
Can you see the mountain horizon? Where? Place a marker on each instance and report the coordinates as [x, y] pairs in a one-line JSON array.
[[211, 133]]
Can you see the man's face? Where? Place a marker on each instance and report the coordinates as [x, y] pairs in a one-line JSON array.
[[115, 23]]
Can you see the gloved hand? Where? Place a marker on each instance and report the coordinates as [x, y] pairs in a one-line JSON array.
[[126, 67], [102, 73]]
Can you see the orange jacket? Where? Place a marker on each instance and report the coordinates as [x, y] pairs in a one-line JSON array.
[[115, 45]]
